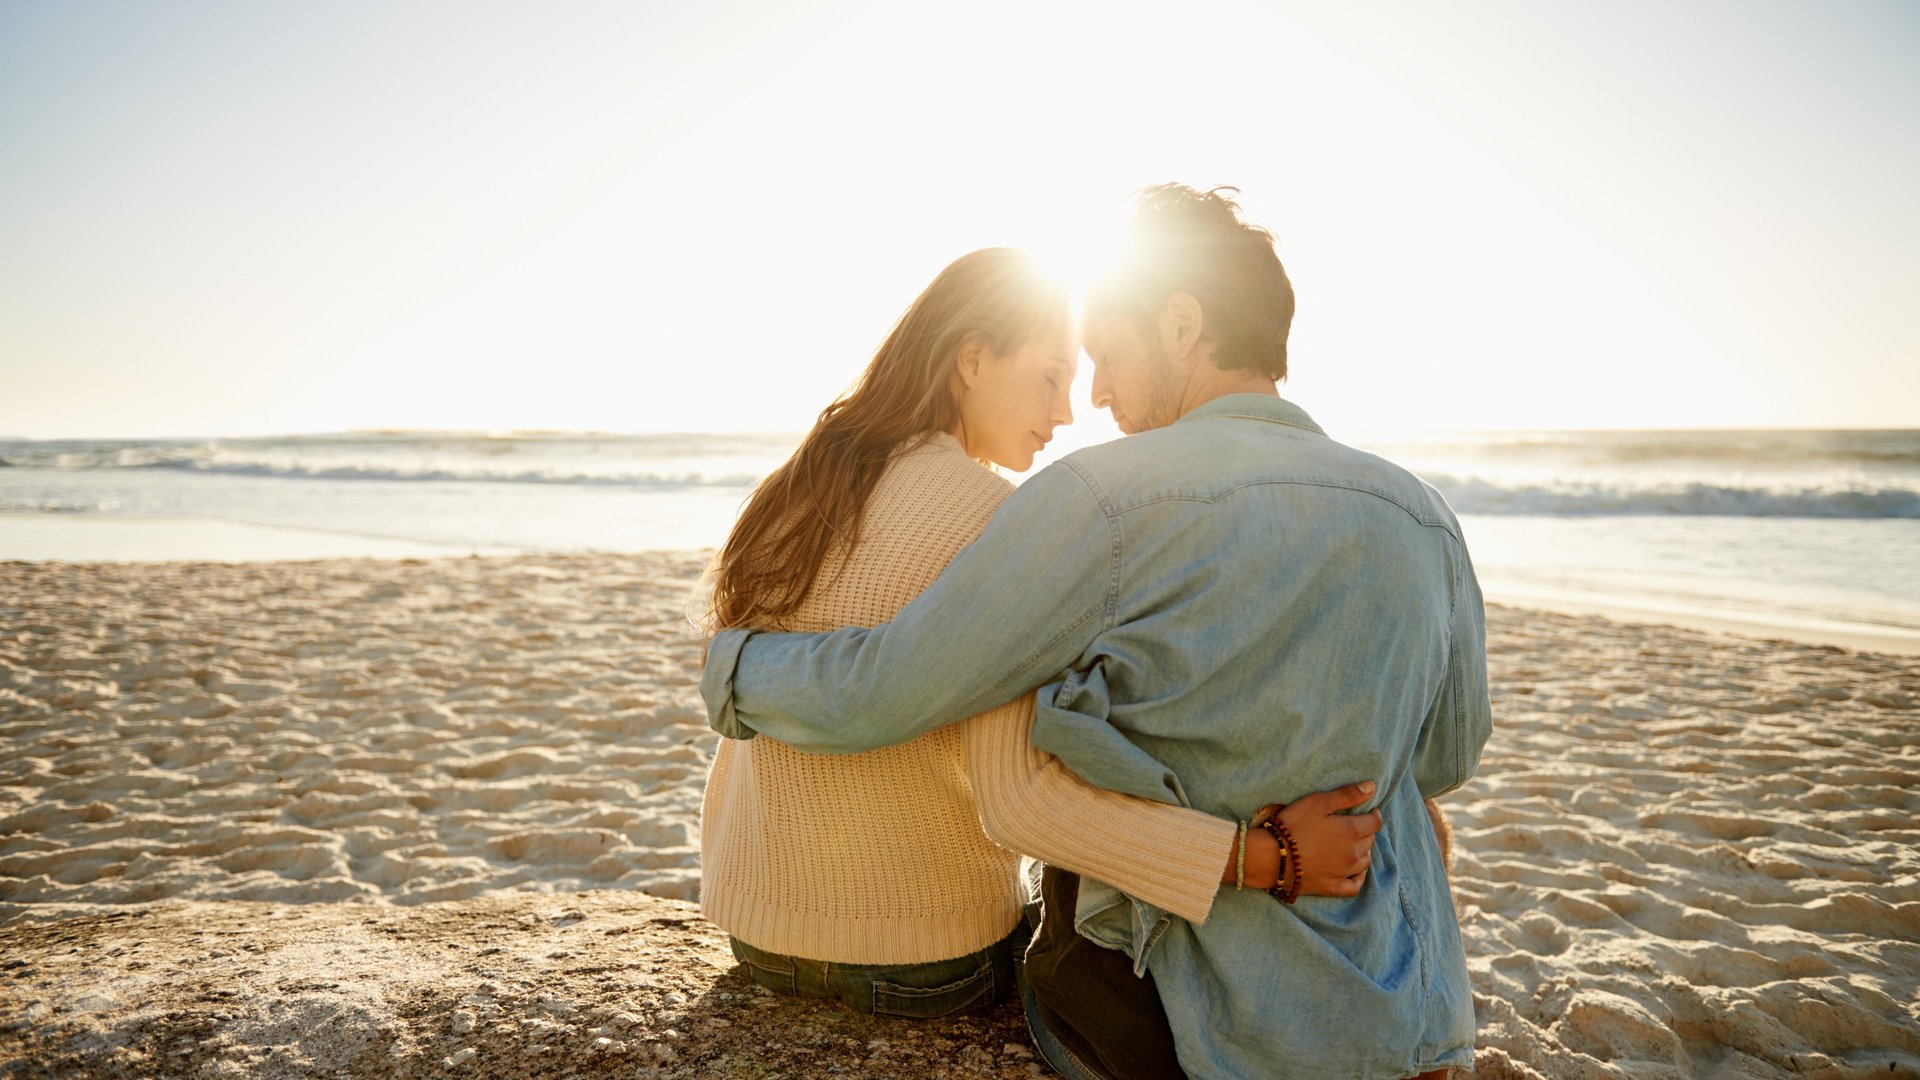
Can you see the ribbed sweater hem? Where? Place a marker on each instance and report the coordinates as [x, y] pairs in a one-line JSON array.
[[890, 939]]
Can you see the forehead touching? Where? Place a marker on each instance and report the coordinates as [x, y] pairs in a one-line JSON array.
[[1056, 345], [1102, 334]]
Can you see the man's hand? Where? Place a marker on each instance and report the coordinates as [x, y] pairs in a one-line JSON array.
[[1336, 849]]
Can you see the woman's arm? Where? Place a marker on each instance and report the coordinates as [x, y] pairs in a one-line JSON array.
[[1172, 857]]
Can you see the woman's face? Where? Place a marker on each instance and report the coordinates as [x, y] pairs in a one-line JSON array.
[[1011, 402]]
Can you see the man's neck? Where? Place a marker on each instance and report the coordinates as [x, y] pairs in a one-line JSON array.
[[1210, 382]]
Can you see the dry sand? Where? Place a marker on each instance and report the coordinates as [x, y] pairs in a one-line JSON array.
[[1691, 855], [401, 731], [505, 986], [443, 788]]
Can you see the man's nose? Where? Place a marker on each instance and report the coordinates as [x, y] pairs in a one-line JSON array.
[[1102, 393]]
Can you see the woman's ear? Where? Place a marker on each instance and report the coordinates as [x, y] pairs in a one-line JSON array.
[[966, 362]]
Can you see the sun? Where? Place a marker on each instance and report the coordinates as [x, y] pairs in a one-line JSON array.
[[1077, 249]]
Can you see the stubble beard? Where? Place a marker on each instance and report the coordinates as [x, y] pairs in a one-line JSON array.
[[1163, 398]]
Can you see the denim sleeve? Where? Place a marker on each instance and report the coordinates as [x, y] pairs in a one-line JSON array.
[[1462, 716], [1011, 611]]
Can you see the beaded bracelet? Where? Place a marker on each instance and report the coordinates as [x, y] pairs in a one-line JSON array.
[[1268, 818], [1240, 859], [1289, 862]]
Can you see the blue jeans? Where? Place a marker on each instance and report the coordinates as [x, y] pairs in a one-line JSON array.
[[917, 991]]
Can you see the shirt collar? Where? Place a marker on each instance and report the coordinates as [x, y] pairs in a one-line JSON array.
[[1277, 410]]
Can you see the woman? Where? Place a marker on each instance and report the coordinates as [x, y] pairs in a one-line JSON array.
[[889, 879]]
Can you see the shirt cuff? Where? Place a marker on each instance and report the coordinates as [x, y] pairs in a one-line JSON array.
[[716, 682]]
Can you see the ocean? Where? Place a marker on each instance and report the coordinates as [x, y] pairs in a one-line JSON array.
[[1814, 529]]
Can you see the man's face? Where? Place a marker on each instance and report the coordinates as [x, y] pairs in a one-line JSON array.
[[1132, 377]]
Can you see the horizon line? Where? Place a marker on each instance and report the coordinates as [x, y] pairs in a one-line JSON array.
[[540, 432]]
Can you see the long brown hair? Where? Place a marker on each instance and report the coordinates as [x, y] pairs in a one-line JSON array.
[[998, 297]]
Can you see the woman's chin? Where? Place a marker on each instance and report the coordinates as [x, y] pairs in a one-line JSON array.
[[1014, 462]]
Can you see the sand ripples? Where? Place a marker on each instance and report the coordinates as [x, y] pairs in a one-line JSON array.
[[1689, 855], [384, 731]]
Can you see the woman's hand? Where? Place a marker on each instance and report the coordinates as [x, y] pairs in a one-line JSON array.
[[1336, 849]]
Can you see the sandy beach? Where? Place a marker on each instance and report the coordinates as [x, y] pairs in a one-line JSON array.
[[1686, 854]]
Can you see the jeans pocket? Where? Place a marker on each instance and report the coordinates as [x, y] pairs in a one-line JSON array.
[[972, 992]]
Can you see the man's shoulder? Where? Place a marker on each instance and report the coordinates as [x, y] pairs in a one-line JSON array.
[[1186, 458], [1392, 480], [1209, 458], [1130, 463]]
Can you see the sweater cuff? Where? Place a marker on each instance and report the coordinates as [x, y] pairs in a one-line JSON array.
[[716, 683], [1192, 867]]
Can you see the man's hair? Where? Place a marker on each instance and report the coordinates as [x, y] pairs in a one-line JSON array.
[[1183, 240]]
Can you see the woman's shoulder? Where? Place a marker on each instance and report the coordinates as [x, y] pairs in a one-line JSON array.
[[935, 480], [932, 501]]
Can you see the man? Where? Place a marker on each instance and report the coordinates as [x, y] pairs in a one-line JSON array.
[[1226, 607]]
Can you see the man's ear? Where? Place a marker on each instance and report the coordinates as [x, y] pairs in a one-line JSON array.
[[1182, 324], [966, 362]]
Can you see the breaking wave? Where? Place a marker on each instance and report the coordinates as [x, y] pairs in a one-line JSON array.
[[1473, 495]]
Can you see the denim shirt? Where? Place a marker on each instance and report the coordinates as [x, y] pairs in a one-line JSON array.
[[1225, 612]]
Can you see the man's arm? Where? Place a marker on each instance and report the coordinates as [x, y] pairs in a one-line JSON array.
[[1462, 716], [1012, 610]]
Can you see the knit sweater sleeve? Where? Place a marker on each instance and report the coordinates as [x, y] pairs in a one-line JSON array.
[[1169, 856]]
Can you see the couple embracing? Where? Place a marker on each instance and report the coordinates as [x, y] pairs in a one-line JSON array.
[[1209, 676]]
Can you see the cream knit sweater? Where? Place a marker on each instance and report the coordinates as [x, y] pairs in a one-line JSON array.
[[884, 857]]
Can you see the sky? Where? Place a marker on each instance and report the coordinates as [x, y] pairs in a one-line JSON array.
[[262, 218]]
